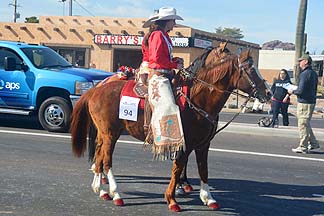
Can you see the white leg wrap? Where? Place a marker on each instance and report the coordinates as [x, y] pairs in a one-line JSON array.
[[96, 183], [205, 194], [112, 185], [93, 166], [102, 192]]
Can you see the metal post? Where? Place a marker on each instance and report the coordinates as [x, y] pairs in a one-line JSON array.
[[70, 9], [237, 99], [63, 1], [15, 10]]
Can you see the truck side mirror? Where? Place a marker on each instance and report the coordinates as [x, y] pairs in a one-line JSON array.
[[10, 64]]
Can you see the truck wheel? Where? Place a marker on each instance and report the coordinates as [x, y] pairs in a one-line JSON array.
[[54, 114]]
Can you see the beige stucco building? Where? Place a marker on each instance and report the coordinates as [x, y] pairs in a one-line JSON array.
[[107, 42], [272, 61]]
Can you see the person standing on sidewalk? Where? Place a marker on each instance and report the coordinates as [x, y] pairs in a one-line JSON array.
[[306, 98], [280, 100]]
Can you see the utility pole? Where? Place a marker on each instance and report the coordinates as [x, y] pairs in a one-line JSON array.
[[70, 9], [63, 1], [15, 5]]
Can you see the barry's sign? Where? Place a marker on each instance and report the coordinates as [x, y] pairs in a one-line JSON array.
[[118, 39], [135, 40]]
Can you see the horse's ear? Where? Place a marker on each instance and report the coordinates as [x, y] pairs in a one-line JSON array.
[[246, 54], [249, 51], [223, 45]]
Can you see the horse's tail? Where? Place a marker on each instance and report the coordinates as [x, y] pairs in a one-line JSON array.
[[80, 124]]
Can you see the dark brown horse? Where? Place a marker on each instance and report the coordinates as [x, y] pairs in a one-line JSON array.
[[209, 90]]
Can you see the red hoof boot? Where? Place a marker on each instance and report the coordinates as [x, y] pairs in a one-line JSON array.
[[105, 197], [104, 181], [214, 206], [175, 208], [188, 188], [119, 202]]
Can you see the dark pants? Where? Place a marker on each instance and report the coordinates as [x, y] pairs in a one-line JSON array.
[[280, 107]]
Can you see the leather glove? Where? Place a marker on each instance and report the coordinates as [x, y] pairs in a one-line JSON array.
[[180, 66]]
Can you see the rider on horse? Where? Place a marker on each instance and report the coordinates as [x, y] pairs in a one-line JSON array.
[[166, 123]]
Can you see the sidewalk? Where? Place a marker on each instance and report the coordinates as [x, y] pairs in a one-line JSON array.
[[292, 109], [283, 131]]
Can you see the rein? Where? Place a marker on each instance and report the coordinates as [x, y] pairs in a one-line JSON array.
[[214, 120]]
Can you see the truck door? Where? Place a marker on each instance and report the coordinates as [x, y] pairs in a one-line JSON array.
[[15, 86]]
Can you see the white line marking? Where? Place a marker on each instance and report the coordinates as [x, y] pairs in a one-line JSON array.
[[266, 154], [34, 134], [211, 149], [318, 195]]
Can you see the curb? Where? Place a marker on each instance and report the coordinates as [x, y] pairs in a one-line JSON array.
[[283, 131]]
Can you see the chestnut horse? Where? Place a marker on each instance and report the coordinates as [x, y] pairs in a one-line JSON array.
[[210, 88]]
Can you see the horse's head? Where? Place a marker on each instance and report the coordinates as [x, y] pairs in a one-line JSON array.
[[224, 71], [250, 79]]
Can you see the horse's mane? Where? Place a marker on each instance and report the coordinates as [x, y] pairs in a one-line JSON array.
[[213, 72]]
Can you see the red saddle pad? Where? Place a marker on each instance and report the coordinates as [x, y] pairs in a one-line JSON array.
[[128, 91]]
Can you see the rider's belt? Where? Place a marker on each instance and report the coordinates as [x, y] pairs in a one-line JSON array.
[[164, 71]]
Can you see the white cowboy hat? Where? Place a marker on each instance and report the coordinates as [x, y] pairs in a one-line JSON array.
[[149, 21], [164, 13]]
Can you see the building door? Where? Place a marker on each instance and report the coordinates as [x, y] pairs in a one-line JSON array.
[[318, 67], [127, 57], [76, 56], [17, 86]]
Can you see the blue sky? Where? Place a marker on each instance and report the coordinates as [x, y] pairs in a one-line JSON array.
[[260, 20]]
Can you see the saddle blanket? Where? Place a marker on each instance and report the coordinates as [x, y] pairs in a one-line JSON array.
[[128, 90]]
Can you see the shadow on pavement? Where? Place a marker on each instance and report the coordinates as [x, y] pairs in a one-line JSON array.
[[17, 121], [239, 197]]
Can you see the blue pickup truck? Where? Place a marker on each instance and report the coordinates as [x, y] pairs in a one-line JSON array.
[[36, 80]]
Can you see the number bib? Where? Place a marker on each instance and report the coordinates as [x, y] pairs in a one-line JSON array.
[[128, 108]]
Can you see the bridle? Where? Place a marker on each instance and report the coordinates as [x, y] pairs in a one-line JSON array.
[[243, 68]]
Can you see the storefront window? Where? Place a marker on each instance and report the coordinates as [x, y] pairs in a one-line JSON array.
[[126, 57], [76, 56]]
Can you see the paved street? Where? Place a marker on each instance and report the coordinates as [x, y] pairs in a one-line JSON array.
[[250, 174], [252, 119]]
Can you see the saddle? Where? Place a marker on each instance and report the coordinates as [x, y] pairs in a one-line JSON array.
[[139, 85], [132, 88], [138, 88]]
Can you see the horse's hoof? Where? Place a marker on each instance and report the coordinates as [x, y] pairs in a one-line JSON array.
[[104, 180], [119, 202], [105, 197], [180, 191], [214, 206], [188, 188], [175, 208]]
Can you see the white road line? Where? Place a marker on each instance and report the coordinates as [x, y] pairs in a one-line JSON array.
[[211, 149], [266, 154], [34, 134]]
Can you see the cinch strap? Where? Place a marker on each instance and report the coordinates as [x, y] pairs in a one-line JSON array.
[[164, 71]]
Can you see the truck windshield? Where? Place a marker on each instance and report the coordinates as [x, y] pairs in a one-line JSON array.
[[44, 57]]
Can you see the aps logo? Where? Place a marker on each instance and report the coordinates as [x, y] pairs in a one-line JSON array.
[[9, 85], [2, 84]]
